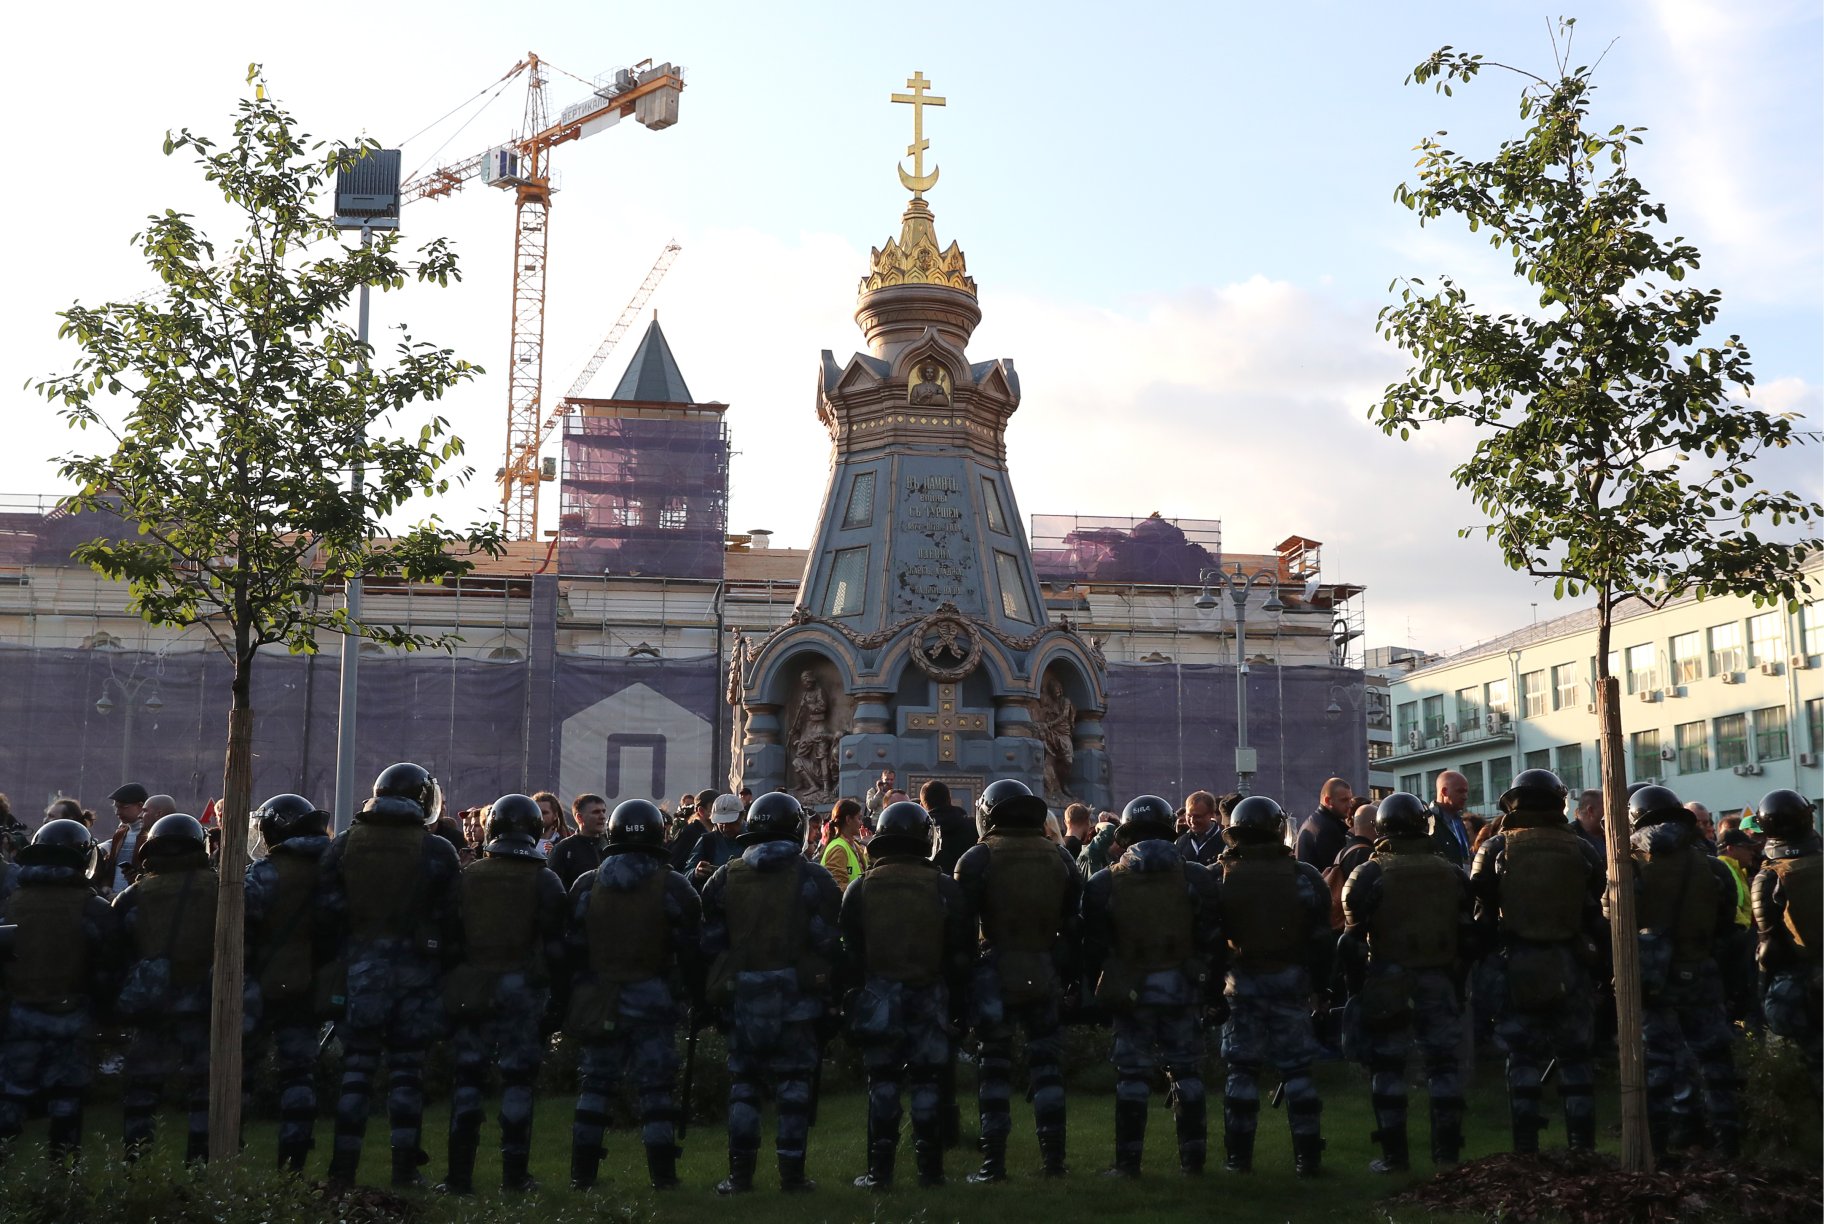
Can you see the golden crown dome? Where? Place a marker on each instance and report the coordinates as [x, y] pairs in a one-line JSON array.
[[914, 258]]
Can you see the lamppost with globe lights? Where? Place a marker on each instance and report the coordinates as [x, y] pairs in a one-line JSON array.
[[129, 690], [1240, 585]]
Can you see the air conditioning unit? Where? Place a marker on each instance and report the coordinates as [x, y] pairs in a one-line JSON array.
[[1668, 754], [1648, 694], [1732, 677], [1808, 759], [1492, 724], [1800, 662], [1747, 771], [1434, 742], [1414, 740], [1590, 708], [1770, 668], [1450, 733]]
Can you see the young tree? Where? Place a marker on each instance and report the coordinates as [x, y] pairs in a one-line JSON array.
[[1612, 454], [239, 401]]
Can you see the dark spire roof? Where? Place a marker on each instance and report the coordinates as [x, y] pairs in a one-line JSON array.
[[652, 376]]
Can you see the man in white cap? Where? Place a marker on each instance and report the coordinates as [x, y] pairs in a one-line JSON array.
[[718, 845]]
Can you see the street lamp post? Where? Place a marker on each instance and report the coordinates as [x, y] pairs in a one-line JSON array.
[[1240, 585], [129, 696]]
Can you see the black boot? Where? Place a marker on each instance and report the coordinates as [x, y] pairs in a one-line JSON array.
[[929, 1149], [1051, 1154], [406, 1163], [1446, 1132], [1659, 1122], [1130, 1138], [342, 1166], [515, 1173], [881, 1153], [585, 1166], [464, 1141], [662, 1165], [1193, 1137], [1394, 1156], [196, 1149], [740, 1177], [1238, 1151], [1580, 1133], [1526, 1134], [791, 1176], [1307, 1155], [994, 1161]]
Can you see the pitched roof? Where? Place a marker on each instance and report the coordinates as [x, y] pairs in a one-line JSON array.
[[652, 376]]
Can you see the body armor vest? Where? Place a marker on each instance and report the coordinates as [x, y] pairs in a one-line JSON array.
[[1263, 910], [766, 918], [177, 921], [1544, 882], [50, 965], [376, 865], [1678, 897], [629, 936], [903, 923], [1802, 888], [500, 915], [1415, 924], [1153, 917], [285, 939], [1025, 894]]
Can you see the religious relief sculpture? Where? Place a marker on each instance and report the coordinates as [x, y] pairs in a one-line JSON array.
[[929, 389], [1057, 727], [811, 743], [738, 659]]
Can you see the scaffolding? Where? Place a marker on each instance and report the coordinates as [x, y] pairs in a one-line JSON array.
[[1102, 548], [644, 492]]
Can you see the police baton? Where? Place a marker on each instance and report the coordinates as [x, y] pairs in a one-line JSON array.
[[1279, 1094], [690, 1068], [1551, 1069]]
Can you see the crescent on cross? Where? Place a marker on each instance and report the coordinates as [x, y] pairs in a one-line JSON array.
[[918, 182]]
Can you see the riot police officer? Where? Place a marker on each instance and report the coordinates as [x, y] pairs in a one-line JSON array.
[[1686, 904], [770, 936], [1407, 937], [633, 932], [1538, 889], [1027, 893], [1153, 947], [282, 970], [167, 917], [59, 976], [1788, 898], [512, 918], [386, 902], [909, 940], [1275, 914]]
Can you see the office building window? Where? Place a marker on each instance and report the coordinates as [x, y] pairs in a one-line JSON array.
[[1687, 658], [1814, 724], [1567, 763], [1473, 771], [1643, 755], [1643, 677], [1532, 693], [1731, 741], [1405, 723], [1766, 638], [1726, 652], [1434, 716], [1540, 758], [1771, 739], [1500, 774], [1494, 698], [1469, 708], [1811, 628], [1564, 687], [1693, 742], [1410, 783]]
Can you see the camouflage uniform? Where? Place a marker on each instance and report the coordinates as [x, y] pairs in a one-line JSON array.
[[1786, 918], [1279, 950], [386, 903], [167, 921], [1685, 906], [63, 965], [1028, 960], [281, 985], [909, 940], [1538, 889], [1410, 912], [623, 1008], [1155, 952], [512, 913], [772, 980]]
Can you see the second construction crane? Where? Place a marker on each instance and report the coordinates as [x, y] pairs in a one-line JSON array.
[[647, 92]]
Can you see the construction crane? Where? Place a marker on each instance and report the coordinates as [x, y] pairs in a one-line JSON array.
[[660, 267], [647, 92]]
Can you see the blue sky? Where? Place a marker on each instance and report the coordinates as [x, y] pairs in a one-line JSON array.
[[1180, 218]]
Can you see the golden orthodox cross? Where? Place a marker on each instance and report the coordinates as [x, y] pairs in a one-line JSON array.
[[918, 182]]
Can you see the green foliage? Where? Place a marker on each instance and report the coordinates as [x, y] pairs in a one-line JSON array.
[[1612, 455], [248, 401]]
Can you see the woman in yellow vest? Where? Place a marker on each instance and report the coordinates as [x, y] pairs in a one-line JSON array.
[[842, 857]]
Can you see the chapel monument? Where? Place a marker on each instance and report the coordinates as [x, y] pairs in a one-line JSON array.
[[921, 642]]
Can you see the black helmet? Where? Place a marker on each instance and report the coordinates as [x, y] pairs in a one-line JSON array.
[[1256, 818], [1402, 815], [1651, 805], [1535, 790], [173, 835], [637, 825], [775, 816], [287, 816], [1146, 817], [61, 843], [514, 825], [1009, 803], [1784, 814], [902, 828], [414, 782]]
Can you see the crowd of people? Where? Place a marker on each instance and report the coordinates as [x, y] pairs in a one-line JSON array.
[[913, 927]]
